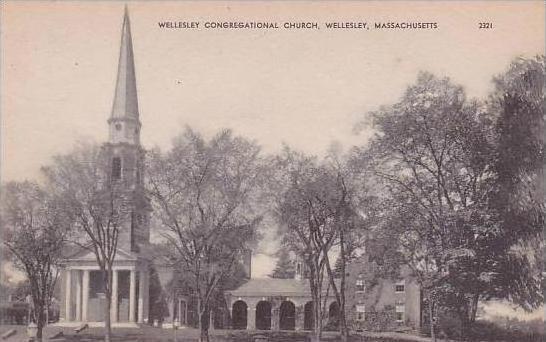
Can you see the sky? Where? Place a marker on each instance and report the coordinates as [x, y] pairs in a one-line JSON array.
[[306, 88]]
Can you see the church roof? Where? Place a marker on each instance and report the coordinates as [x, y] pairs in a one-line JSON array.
[[263, 287], [125, 104]]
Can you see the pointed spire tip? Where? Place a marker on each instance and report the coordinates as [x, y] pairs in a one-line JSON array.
[[125, 97]]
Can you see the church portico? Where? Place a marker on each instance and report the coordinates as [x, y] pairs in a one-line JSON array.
[[84, 298]]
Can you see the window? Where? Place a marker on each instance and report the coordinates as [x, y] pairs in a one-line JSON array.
[[360, 287], [116, 168], [360, 312], [400, 286], [399, 314]]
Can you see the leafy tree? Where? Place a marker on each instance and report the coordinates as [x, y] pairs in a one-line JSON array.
[[206, 196], [517, 200], [35, 229], [305, 220], [313, 207], [433, 154], [284, 268]]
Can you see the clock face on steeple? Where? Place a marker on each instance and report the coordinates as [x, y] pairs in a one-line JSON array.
[[123, 153]]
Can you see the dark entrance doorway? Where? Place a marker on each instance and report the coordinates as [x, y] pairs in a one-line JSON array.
[[287, 316], [308, 316], [239, 315], [333, 316], [263, 316], [97, 297]]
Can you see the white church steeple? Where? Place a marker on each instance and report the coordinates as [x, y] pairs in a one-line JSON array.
[[124, 123], [125, 168]]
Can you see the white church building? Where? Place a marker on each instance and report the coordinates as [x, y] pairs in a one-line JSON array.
[[82, 297]]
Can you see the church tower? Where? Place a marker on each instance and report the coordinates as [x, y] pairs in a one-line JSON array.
[[123, 150]]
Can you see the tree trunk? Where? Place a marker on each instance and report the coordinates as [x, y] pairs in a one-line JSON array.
[[38, 303], [108, 306], [317, 315], [339, 293], [344, 331], [39, 314], [340, 299], [39, 330], [199, 320], [107, 321], [469, 318], [313, 284], [431, 318], [203, 331]]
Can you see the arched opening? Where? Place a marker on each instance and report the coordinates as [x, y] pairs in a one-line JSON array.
[[333, 317], [308, 316], [238, 315], [287, 316], [263, 316]]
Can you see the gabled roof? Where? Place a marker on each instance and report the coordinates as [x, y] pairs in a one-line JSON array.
[[264, 287], [86, 254]]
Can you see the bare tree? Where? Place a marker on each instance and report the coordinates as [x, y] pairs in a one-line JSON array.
[[99, 205], [309, 202], [205, 194], [35, 229]]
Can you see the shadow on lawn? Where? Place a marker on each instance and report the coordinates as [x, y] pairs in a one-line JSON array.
[[233, 336]]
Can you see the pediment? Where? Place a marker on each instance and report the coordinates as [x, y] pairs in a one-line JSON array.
[[86, 254]]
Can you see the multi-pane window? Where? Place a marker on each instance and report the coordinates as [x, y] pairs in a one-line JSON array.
[[360, 312], [399, 313], [360, 287], [116, 168], [400, 286]]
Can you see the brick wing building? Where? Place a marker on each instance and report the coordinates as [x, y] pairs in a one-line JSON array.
[[372, 303]]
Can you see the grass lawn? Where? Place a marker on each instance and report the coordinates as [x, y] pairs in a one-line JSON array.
[[150, 334]]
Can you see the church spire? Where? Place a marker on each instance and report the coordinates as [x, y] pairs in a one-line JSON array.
[[125, 107]]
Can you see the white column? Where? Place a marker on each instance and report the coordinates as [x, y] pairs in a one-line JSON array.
[[114, 308], [78, 296], [251, 317], [185, 312], [211, 320], [68, 290], [146, 296], [132, 293], [85, 294], [141, 289]]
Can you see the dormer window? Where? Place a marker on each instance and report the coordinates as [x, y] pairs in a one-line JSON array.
[[360, 287], [116, 168]]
